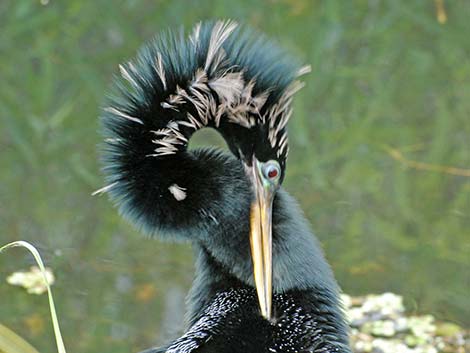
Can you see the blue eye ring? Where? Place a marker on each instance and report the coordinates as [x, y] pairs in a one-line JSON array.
[[271, 170]]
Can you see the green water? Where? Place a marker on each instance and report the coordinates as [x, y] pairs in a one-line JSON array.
[[387, 81]]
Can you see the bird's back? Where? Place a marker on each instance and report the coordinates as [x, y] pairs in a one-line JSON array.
[[231, 323]]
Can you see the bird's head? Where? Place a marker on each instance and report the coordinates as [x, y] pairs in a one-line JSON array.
[[237, 82]]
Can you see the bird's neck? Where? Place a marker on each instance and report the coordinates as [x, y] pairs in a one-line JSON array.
[[298, 261]]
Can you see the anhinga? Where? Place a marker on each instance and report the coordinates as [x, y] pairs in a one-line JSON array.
[[261, 282]]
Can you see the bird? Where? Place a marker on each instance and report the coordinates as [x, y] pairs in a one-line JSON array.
[[261, 281]]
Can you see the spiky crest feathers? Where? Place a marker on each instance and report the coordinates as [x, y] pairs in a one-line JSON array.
[[219, 75]]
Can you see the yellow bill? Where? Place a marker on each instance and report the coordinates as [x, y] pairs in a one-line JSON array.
[[261, 241]]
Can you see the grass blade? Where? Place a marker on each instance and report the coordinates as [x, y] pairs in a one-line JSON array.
[[37, 257], [10, 342]]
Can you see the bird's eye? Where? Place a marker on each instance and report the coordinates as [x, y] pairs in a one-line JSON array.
[[271, 170]]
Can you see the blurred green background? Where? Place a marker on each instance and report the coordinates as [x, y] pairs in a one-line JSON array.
[[380, 157]]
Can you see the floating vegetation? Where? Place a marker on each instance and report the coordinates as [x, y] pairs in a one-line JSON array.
[[380, 325], [32, 280]]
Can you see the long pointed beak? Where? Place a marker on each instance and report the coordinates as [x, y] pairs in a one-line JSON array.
[[261, 239]]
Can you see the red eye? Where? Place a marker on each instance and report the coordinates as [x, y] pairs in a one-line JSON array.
[[272, 173], [271, 170]]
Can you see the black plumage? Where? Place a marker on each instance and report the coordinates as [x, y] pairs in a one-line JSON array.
[[240, 84]]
